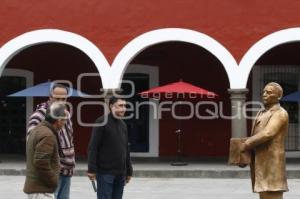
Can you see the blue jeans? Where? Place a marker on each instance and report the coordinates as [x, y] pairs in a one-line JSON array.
[[63, 188], [110, 186]]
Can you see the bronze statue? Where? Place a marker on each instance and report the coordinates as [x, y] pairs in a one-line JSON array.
[[266, 144]]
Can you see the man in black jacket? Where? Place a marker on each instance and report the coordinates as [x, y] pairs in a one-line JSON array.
[[108, 154]]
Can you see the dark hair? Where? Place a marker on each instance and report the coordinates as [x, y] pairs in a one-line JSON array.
[[56, 85], [113, 100], [55, 111]]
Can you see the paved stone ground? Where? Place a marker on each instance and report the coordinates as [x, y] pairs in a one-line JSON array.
[[157, 188]]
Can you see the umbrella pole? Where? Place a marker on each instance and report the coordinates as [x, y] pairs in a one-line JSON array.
[[179, 134]]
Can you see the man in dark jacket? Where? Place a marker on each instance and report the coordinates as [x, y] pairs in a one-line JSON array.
[[42, 154], [58, 93], [108, 153]]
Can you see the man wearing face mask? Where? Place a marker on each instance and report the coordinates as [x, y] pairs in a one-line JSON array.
[[108, 153], [268, 173]]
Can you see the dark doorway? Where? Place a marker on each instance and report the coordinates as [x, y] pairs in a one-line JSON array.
[[12, 116], [138, 124]]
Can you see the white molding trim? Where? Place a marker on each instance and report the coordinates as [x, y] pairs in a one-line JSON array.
[[29, 82], [262, 46], [19, 43], [153, 73]]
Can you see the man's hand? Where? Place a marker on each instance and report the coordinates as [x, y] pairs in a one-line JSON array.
[[128, 178], [91, 176]]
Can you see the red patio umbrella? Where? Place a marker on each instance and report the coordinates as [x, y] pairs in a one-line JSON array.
[[175, 91], [179, 87]]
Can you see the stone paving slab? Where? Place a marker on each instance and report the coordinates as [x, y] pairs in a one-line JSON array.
[[157, 188]]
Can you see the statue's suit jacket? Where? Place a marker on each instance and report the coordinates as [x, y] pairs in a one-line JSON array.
[[269, 130]]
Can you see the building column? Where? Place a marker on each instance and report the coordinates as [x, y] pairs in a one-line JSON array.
[[238, 122]]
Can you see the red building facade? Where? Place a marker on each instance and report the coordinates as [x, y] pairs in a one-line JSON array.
[[217, 45]]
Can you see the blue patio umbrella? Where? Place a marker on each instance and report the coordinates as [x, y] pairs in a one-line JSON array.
[[293, 97], [43, 90]]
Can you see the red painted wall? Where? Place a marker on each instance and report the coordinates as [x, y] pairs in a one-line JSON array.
[[112, 24]]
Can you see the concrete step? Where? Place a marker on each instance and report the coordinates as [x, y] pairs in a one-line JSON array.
[[292, 174], [162, 168]]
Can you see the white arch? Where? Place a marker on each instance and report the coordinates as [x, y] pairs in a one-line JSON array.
[[261, 47], [111, 76], [32, 38], [172, 34]]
